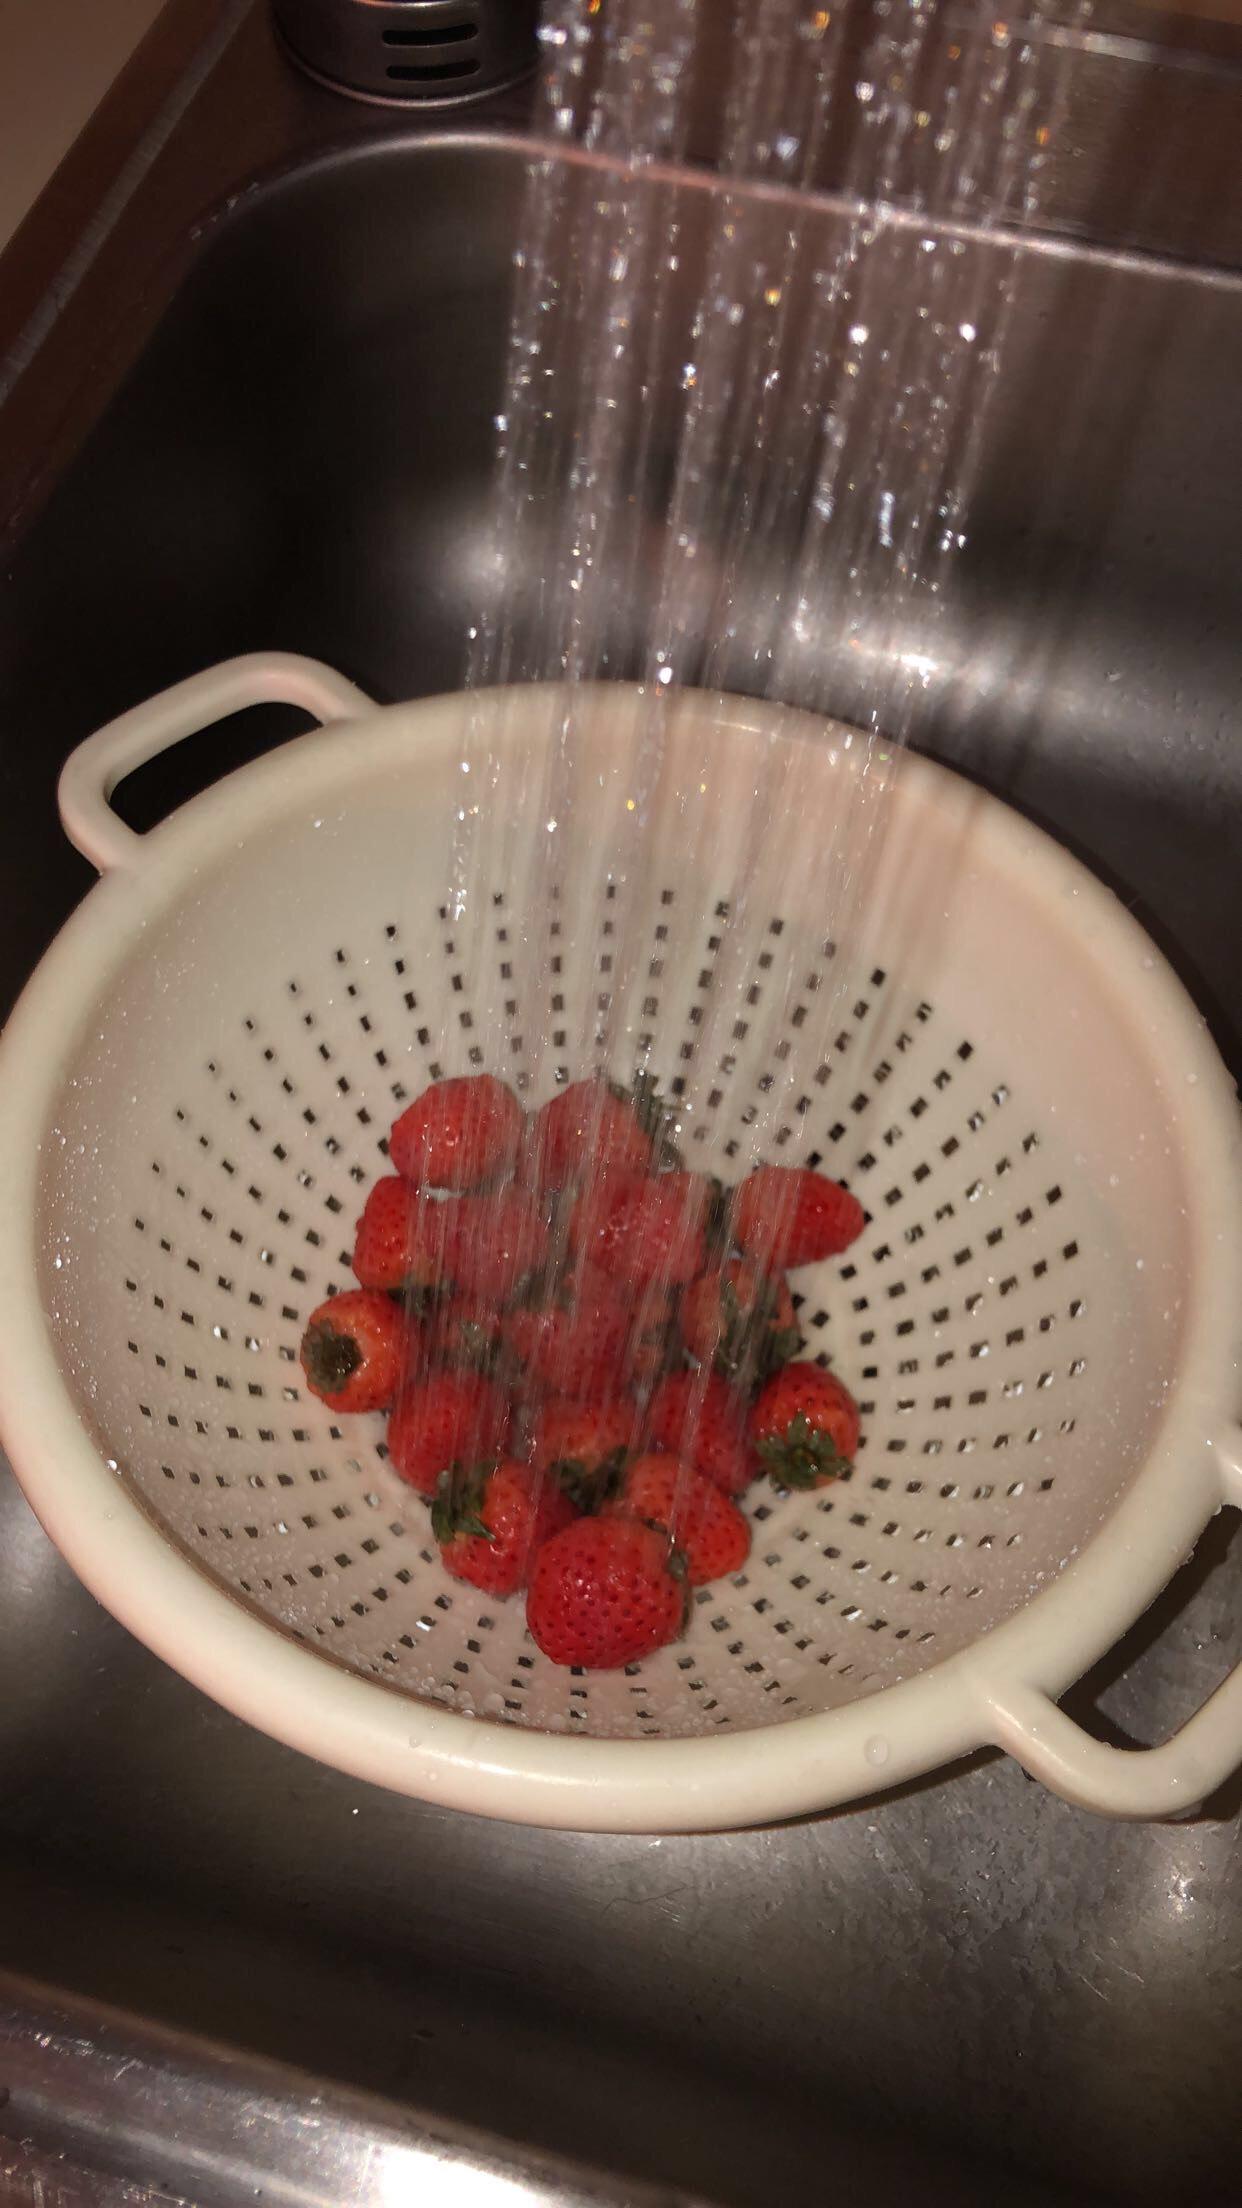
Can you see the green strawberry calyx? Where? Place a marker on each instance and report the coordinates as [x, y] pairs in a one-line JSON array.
[[478, 1350], [803, 1456], [419, 1298], [718, 1220], [781, 1344], [456, 1513], [589, 1487], [750, 1346], [332, 1357]]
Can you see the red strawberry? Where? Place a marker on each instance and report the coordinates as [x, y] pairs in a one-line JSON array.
[[741, 1320], [700, 1418], [352, 1350], [401, 1239], [590, 1214], [584, 1129], [648, 1230], [458, 1133], [490, 1522], [581, 1445], [573, 1345], [805, 1427], [444, 1419], [494, 1243], [707, 1528], [583, 1282], [605, 1592], [788, 1215]]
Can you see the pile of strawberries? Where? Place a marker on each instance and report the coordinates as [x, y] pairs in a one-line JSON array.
[[586, 1352]]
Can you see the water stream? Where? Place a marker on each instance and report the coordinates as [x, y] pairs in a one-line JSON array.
[[734, 452]]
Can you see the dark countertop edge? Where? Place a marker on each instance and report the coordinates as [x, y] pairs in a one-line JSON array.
[[71, 199]]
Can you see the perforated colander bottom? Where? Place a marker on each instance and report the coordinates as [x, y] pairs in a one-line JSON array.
[[227, 1109]]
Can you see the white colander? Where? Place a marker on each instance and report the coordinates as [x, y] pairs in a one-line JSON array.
[[1041, 1320]]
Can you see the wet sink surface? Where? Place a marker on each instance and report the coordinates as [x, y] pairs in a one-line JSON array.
[[966, 1975]]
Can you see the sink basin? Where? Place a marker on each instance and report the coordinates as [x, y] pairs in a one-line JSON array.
[[947, 1987]]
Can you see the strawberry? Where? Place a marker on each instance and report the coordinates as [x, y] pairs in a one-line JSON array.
[[582, 1445], [352, 1351], [443, 1419], [585, 1129], [575, 1343], [741, 1320], [699, 1417], [605, 1592], [645, 1230], [786, 1215], [805, 1427], [707, 1528], [494, 1243], [584, 1282], [589, 1216], [490, 1522], [458, 1134], [400, 1241]]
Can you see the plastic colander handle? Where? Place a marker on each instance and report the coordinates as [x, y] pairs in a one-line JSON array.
[[1128, 1782], [92, 772]]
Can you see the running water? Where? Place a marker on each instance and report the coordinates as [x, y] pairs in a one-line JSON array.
[[735, 441], [735, 444]]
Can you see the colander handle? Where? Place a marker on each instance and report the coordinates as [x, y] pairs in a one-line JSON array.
[[92, 772], [1128, 1782], [1121, 1782]]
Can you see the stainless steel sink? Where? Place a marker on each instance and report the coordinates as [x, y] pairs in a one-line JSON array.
[[969, 1988]]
